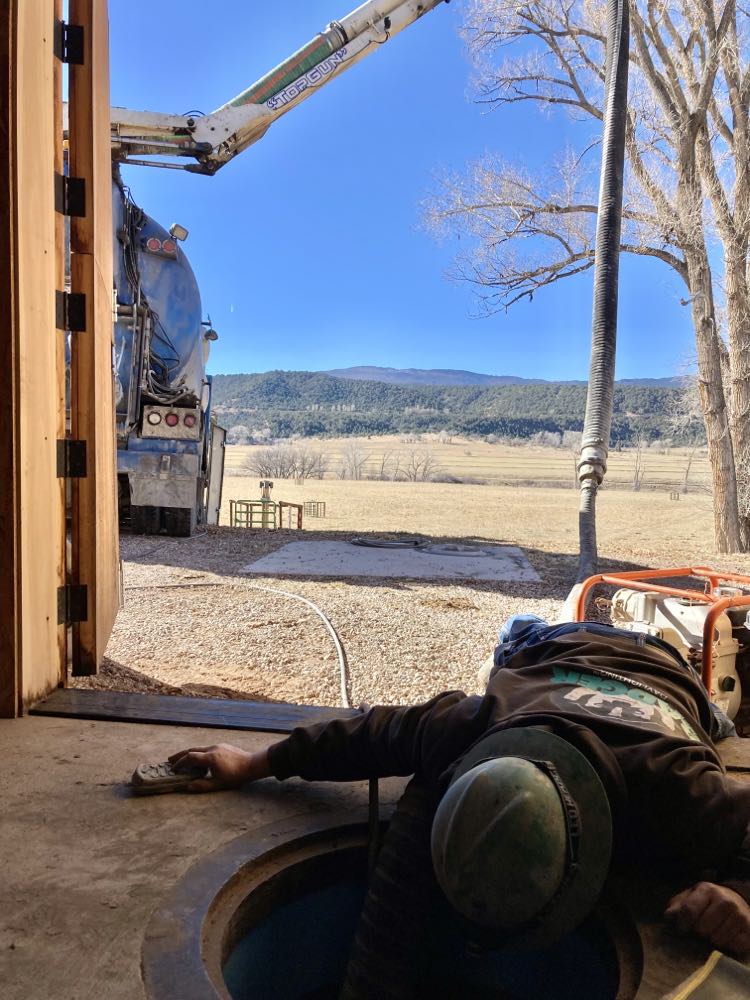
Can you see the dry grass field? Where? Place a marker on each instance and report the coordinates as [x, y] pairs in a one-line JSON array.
[[497, 464], [193, 623], [647, 528]]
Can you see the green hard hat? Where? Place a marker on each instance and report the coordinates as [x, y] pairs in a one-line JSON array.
[[522, 839]]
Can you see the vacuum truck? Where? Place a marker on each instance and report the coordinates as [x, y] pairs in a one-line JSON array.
[[169, 449], [169, 446]]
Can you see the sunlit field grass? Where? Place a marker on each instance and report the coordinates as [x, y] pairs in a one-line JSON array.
[[497, 464]]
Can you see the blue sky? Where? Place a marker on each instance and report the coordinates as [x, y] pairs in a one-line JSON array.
[[308, 247]]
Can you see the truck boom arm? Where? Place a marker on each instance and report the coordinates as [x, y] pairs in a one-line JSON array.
[[212, 140]]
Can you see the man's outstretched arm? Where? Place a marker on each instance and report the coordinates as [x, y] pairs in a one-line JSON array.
[[384, 741]]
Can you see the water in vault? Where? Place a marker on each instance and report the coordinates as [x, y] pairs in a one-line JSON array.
[[299, 952]]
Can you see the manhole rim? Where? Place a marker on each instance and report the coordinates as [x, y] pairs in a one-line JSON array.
[[183, 946]]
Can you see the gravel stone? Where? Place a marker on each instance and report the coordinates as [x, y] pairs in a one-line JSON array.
[[192, 624]]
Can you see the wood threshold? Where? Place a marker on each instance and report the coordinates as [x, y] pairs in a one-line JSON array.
[[178, 710]]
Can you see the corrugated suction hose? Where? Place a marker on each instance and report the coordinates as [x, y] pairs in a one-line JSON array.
[[597, 424]]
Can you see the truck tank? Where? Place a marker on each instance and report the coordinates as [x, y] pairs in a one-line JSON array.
[[162, 391]]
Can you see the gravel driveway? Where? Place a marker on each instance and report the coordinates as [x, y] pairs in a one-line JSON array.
[[192, 624]]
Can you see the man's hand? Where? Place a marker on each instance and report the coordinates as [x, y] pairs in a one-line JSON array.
[[230, 767], [716, 913]]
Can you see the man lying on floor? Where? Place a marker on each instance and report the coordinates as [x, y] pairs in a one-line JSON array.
[[591, 744]]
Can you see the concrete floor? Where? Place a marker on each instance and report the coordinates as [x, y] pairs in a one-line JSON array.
[[84, 864]]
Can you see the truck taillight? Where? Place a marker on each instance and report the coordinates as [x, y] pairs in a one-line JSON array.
[[162, 248], [171, 422]]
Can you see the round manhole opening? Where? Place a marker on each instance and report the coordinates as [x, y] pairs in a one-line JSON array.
[[298, 947], [276, 916]]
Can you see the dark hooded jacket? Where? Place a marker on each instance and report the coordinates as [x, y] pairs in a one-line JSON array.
[[638, 713]]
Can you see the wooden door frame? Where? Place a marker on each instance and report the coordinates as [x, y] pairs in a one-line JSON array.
[[9, 514]]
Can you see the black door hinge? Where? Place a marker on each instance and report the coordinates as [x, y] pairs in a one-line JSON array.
[[71, 459], [70, 311], [70, 195], [72, 604], [69, 43]]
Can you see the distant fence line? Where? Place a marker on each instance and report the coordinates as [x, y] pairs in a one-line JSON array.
[[653, 486]]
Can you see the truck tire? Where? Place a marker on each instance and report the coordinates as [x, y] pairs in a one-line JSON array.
[[179, 521], [145, 520]]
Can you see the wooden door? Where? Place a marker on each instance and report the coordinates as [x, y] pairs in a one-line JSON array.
[[32, 417], [37, 579]]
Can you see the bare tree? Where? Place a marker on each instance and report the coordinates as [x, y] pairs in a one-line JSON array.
[[310, 464], [687, 193], [260, 435], [271, 463], [689, 459], [285, 461], [420, 465], [639, 462], [386, 465], [572, 441], [743, 487], [685, 417], [546, 439], [239, 434], [353, 460]]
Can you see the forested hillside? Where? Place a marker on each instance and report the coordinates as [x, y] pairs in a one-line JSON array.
[[307, 404]]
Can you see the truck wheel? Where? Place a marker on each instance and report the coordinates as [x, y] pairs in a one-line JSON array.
[[179, 521], [123, 498], [145, 520]]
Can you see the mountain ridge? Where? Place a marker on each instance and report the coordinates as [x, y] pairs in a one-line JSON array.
[[457, 376]]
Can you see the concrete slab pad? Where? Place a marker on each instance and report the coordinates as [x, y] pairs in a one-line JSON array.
[[428, 562]]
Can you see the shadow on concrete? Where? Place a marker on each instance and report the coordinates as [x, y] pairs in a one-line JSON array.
[[115, 676], [224, 551]]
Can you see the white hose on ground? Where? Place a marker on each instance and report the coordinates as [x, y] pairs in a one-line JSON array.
[[343, 666]]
